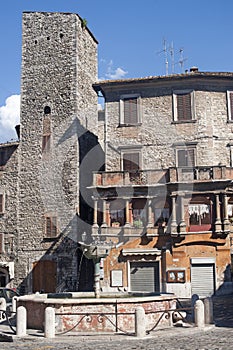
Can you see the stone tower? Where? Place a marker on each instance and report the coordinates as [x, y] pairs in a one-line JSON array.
[[58, 122]]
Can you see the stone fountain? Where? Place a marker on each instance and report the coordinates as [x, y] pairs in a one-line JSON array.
[[84, 313], [96, 251]]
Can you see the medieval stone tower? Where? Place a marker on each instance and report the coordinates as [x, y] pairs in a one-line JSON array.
[[58, 122]]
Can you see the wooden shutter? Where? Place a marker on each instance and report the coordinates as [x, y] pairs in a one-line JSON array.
[[1, 203], [181, 155], [186, 157], [131, 161], [184, 110], [46, 143], [2, 243], [51, 226], [44, 275], [190, 157], [231, 105], [130, 111]]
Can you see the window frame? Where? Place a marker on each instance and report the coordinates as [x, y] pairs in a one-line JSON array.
[[125, 97], [176, 118]]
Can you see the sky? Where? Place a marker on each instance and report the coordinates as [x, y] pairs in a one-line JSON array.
[[135, 40]]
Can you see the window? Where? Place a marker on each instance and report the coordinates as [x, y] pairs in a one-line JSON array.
[[5, 153], [2, 203], [46, 138], [46, 143], [230, 210], [185, 157], [117, 212], [139, 212], [161, 216], [199, 214], [230, 105], [51, 226], [130, 110], [131, 161], [183, 106]]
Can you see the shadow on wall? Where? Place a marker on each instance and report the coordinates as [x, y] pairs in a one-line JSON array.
[[63, 266]]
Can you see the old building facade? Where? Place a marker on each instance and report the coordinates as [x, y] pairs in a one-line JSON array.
[[152, 173], [168, 182]]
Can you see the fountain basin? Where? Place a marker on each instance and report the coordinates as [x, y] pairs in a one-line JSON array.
[[106, 314]]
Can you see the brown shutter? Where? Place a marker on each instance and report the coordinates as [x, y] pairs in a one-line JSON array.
[[190, 157], [186, 157], [231, 105], [51, 226], [1, 242], [46, 143], [130, 111], [181, 155], [184, 111], [1, 203], [131, 162]]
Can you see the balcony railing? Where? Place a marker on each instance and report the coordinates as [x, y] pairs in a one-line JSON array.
[[125, 178], [201, 173], [163, 176]]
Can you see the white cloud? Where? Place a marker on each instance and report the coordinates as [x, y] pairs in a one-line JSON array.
[[113, 73], [117, 74], [9, 118]]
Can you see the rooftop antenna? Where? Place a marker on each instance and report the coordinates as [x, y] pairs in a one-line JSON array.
[[182, 60], [165, 54], [172, 57]]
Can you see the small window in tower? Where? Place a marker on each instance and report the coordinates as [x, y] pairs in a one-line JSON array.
[[45, 143], [47, 110], [51, 228]]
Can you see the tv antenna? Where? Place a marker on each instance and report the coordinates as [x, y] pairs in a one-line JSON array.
[[181, 60], [169, 51], [165, 54]]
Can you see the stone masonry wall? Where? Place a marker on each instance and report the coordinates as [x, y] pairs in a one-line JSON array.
[[56, 75], [157, 134], [8, 220]]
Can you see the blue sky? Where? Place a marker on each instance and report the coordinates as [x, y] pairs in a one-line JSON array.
[[131, 36]]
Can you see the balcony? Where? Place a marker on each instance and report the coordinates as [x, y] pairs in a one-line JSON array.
[[125, 178], [201, 173], [163, 176]]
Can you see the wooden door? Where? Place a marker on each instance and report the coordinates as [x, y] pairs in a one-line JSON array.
[[44, 276]]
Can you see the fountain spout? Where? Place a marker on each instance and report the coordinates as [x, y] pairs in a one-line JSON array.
[[95, 251]]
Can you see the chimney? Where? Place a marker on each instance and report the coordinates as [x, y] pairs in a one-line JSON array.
[[193, 69]]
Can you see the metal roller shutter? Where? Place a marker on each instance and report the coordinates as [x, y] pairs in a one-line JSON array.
[[203, 279], [144, 277]]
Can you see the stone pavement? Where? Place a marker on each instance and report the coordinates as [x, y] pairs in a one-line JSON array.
[[214, 337]]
